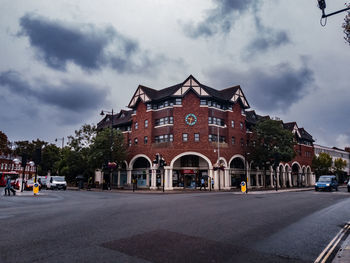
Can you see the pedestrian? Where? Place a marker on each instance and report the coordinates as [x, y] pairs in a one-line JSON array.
[[89, 183], [8, 188], [202, 184], [212, 183]]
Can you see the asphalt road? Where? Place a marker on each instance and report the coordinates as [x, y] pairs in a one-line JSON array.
[[82, 226]]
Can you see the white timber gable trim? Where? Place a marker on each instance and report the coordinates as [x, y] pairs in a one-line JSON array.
[[191, 84], [139, 94], [239, 95], [296, 130]]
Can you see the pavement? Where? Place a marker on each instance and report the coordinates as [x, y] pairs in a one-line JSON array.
[[343, 255], [236, 192]]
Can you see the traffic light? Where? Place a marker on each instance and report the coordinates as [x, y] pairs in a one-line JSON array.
[[156, 160], [162, 162], [24, 160], [37, 156]]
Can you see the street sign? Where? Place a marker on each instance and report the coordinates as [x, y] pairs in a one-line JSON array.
[[243, 187]]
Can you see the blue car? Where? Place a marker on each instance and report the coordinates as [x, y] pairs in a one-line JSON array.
[[327, 182]]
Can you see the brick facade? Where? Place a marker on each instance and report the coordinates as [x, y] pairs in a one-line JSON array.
[[227, 108]]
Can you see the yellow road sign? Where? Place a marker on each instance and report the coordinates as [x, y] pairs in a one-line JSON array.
[[35, 188], [243, 187]]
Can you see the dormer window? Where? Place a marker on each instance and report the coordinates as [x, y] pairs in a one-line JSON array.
[[178, 101]]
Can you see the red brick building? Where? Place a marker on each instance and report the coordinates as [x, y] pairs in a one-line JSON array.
[[8, 166], [195, 129]]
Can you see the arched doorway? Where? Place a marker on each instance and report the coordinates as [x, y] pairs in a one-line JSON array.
[[189, 169], [237, 171], [296, 174], [140, 170], [123, 173]]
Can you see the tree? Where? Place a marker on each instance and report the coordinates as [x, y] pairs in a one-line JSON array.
[[322, 164], [339, 165], [29, 148], [273, 145], [83, 138], [104, 150], [346, 26], [50, 159], [4, 143]]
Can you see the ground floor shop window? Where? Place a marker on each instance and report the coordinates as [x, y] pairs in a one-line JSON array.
[[236, 180]]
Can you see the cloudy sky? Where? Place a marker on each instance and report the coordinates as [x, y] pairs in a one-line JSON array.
[[63, 61]]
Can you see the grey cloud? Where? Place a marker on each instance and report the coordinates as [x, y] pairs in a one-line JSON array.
[[70, 96], [266, 38], [221, 18], [270, 89], [57, 43], [225, 14]]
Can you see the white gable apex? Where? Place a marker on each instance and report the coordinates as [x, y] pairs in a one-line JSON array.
[[139, 94], [192, 84], [239, 95]]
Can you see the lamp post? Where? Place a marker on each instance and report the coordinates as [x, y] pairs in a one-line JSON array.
[[246, 170], [24, 163], [218, 140], [111, 138], [61, 139], [322, 6]]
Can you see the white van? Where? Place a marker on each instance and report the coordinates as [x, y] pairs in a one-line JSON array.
[[56, 182]]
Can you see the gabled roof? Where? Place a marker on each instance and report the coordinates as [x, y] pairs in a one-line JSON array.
[[123, 117], [145, 94], [305, 135], [293, 127]]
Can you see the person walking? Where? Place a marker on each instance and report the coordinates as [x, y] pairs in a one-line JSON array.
[[8, 188], [89, 183], [202, 184]]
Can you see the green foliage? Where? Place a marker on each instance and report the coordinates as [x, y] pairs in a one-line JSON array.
[[4, 143], [322, 164], [50, 159], [273, 143], [83, 138], [339, 164], [28, 148], [104, 149]]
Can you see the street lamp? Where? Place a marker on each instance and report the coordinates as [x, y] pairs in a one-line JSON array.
[[218, 140], [111, 138], [61, 139], [32, 164], [24, 163], [246, 170], [322, 6]]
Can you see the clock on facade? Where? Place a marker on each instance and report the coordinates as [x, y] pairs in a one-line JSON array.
[[191, 119]]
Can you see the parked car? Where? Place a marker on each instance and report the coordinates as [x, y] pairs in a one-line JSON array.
[[15, 184], [29, 184], [326, 182], [56, 182], [349, 186], [42, 180]]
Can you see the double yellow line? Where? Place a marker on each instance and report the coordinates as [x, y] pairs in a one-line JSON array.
[[323, 257]]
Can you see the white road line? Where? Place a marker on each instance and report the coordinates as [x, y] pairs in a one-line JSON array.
[[330, 247]]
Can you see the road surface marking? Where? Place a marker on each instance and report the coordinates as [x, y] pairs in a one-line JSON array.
[[322, 258]]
